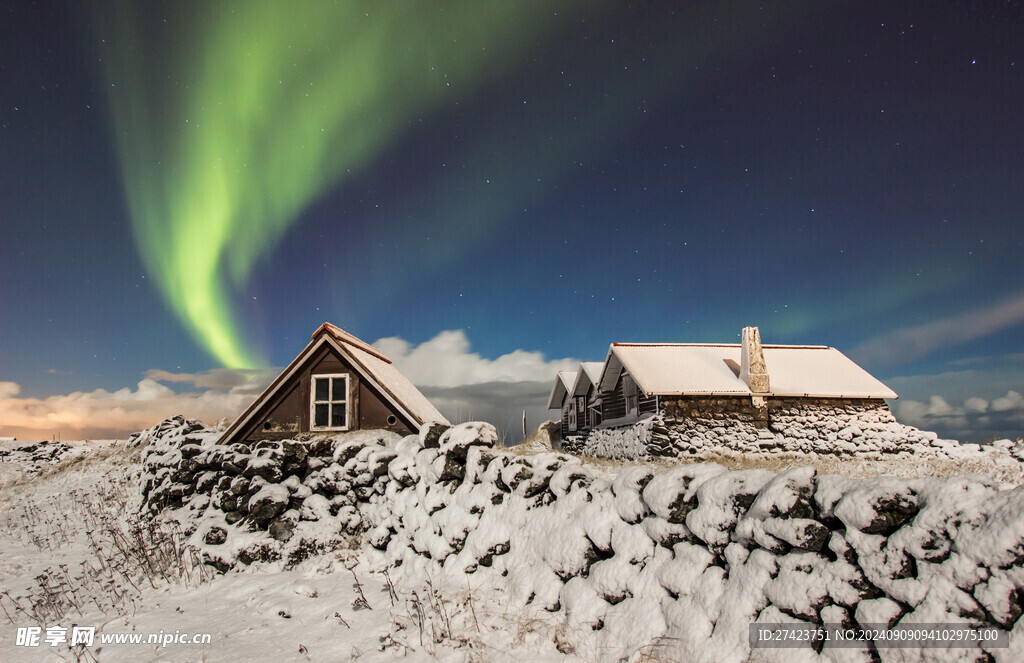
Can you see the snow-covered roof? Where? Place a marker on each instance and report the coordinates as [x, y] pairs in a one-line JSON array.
[[589, 373], [677, 369], [819, 371], [563, 385], [388, 379]]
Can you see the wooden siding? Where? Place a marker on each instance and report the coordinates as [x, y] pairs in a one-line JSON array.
[[613, 405], [287, 415]]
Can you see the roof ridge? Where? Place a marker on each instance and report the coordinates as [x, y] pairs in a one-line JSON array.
[[345, 337], [774, 346]]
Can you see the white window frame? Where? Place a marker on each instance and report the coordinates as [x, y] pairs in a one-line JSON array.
[[572, 415], [332, 401]]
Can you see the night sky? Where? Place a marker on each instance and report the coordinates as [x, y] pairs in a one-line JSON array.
[[190, 187]]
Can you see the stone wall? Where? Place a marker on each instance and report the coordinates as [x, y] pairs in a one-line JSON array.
[[693, 426], [688, 556]]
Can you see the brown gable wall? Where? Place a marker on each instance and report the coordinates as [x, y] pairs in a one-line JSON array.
[[287, 415]]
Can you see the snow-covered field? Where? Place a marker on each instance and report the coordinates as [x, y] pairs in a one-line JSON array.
[[328, 608], [75, 552]]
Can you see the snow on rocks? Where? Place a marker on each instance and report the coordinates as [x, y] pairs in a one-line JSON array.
[[32, 458], [839, 429], [690, 555]]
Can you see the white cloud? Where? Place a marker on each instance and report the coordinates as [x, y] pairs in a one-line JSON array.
[[977, 420], [446, 361], [465, 386], [217, 378], [909, 343], [1008, 403], [975, 404]]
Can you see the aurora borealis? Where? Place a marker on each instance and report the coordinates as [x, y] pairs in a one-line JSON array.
[[231, 120], [192, 186]]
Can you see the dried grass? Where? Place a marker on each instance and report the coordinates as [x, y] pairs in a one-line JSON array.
[[123, 551], [999, 467]]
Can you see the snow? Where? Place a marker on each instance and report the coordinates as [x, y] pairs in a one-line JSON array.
[[711, 369], [588, 375], [382, 549], [850, 440]]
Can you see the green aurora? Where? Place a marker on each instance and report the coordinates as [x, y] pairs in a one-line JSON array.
[[232, 118]]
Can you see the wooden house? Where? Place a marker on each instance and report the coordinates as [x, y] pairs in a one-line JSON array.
[[338, 383], [744, 380], [574, 395]]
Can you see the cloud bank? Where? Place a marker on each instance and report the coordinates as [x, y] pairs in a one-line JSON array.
[[909, 343], [102, 414], [465, 386], [461, 383], [976, 419], [446, 361]]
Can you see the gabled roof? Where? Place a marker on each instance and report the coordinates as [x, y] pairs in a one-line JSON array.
[[383, 374], [589, 374], [678, 369], [562, 387], [368, 361]]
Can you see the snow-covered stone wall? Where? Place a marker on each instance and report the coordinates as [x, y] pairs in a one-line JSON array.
[[687, 557], [694, 426]]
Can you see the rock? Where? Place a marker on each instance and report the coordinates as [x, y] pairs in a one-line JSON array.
[[259, 552], [322, 446], [672, 494], [451, 468], [238, 486], [232, 517], [266, 466], [627, 489], [500, 548], [268, 503], [295, 454], [227, 502], [216, 536], [801, 533], [190, 450], [723, 500], [517, 472], [346, 451], [315, 507], [880, 507], [430, 434], [379, 463], [282, 527], [457, 441], [206, 481], [789, 495]]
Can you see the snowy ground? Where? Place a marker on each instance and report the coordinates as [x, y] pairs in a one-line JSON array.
[[329, 608], [68, 556]]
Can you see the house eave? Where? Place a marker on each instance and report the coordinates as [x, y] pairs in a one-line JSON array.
[[244, 419]]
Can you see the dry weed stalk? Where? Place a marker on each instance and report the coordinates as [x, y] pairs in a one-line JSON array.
[[125, 551], [661, 649]]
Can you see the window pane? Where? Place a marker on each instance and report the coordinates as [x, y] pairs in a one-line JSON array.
[[338, 392], [320, 416], [321, 385], [338, 416]]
